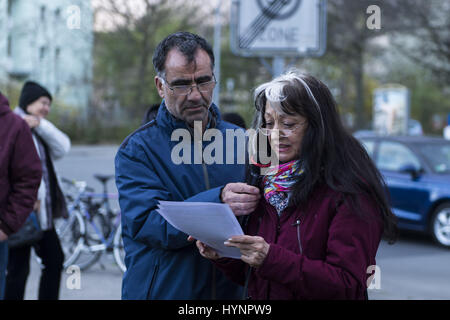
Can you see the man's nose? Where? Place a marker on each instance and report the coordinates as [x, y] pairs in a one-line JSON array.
[[194, 94]]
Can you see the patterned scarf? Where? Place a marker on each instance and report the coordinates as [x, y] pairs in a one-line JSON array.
[[278, 183]]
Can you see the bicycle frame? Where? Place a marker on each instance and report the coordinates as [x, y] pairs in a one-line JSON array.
[[106, 243]]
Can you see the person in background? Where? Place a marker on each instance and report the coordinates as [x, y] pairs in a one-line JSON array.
[[51, 144], [150, 114], [447, 129], [161, 263], [234, 118], [317, 229], [20, 176]]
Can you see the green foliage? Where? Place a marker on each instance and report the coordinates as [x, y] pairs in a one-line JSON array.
[[124, 76], [123, 69]]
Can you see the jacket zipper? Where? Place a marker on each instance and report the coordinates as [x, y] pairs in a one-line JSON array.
[[208, 186], [297, 224], [277, 233]]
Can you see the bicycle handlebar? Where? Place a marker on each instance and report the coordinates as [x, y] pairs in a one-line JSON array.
[[78, 184]]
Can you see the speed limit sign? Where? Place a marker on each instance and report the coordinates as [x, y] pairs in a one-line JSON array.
[[278, 27]]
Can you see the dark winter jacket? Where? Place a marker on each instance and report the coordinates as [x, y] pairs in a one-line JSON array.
[[320, 251], [20, 170], [161, 263]]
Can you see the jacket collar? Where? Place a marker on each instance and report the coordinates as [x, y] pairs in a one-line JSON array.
[[19, 111], [165, 119]]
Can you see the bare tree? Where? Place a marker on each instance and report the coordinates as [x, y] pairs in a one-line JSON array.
[[126, 48], [350, 40], [427, 43]]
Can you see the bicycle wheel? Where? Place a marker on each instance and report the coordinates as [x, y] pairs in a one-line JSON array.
[[119, 252], [71, 233], [93, 245]]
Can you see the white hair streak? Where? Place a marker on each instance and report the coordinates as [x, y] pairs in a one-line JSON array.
[[273, 91]]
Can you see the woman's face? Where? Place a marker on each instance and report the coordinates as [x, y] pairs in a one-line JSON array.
[[286, 135], [40, 107]]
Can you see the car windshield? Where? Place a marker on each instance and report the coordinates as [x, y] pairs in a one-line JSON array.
[[437, 155]]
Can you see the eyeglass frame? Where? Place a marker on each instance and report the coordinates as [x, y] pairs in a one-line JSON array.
[[267, 132], [172, 88]]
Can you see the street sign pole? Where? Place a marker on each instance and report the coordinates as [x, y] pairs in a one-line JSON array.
[[278, 66], [217, 43]]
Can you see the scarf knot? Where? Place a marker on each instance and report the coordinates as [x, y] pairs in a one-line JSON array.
[[278, 184]]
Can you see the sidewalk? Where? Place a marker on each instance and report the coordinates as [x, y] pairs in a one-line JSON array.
[[95, 283]]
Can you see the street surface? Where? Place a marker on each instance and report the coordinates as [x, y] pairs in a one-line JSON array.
[[413, 268]]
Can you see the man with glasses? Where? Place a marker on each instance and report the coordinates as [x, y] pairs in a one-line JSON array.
[[161, 263]]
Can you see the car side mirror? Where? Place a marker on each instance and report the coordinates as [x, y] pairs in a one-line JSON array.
[[411, 170]]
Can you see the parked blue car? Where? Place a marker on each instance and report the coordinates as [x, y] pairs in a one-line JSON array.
[[417, 173]]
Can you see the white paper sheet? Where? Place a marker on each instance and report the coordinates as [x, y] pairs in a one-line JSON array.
[[211, 223]]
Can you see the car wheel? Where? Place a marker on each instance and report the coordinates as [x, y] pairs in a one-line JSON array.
[[440, 225]]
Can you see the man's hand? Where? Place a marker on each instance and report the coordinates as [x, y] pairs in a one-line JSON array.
[[207, 252], [204, 250], [253, 249], [32, 121], [241, 197], [3, 236]]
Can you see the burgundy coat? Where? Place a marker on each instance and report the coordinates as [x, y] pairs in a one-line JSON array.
[[336, 247], [20, 170]]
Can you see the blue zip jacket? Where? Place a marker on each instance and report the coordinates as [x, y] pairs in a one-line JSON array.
[[161, 263]]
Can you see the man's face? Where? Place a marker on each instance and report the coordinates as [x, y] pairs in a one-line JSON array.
[[40, 108], [193, 106]]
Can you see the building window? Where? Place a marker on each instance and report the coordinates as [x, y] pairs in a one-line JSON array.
[[57, 14], [9, 46], [43, 13], [10, 4], [42, 53]]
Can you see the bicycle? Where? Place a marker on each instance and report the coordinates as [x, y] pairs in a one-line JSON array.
[[71, 231], [102, 230]]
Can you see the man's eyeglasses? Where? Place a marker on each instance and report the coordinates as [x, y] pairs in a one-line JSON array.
[[284, 130], [185, 90]]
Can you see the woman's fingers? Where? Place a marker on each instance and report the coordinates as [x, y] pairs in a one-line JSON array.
[[254, 249]]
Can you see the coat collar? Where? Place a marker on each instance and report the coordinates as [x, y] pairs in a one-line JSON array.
[[165, 119]]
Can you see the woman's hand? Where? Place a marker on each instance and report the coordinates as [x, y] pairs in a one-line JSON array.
[[32, 121], [253, 249], [37, 206]]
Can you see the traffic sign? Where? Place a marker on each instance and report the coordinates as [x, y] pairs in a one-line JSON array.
[[290, 28]]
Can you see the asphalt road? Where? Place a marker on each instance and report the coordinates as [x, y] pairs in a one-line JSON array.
[[413, 268]]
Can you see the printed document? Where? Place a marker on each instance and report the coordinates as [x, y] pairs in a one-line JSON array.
[[211, 223]]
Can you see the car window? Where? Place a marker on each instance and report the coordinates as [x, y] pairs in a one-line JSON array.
[[369, 145], [394, 155], [437, 155]]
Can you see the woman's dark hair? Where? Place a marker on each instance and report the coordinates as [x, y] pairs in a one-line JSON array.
[[329, 153], [187, 43]]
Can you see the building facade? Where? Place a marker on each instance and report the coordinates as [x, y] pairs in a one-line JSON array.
[[50, 42]]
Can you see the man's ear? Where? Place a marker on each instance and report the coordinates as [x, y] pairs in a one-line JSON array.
[[159, 86]]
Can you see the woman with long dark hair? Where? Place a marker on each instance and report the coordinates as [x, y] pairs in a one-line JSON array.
[[317, 229]]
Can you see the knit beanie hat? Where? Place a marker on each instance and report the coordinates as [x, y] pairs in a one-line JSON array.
[[32, 91]]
